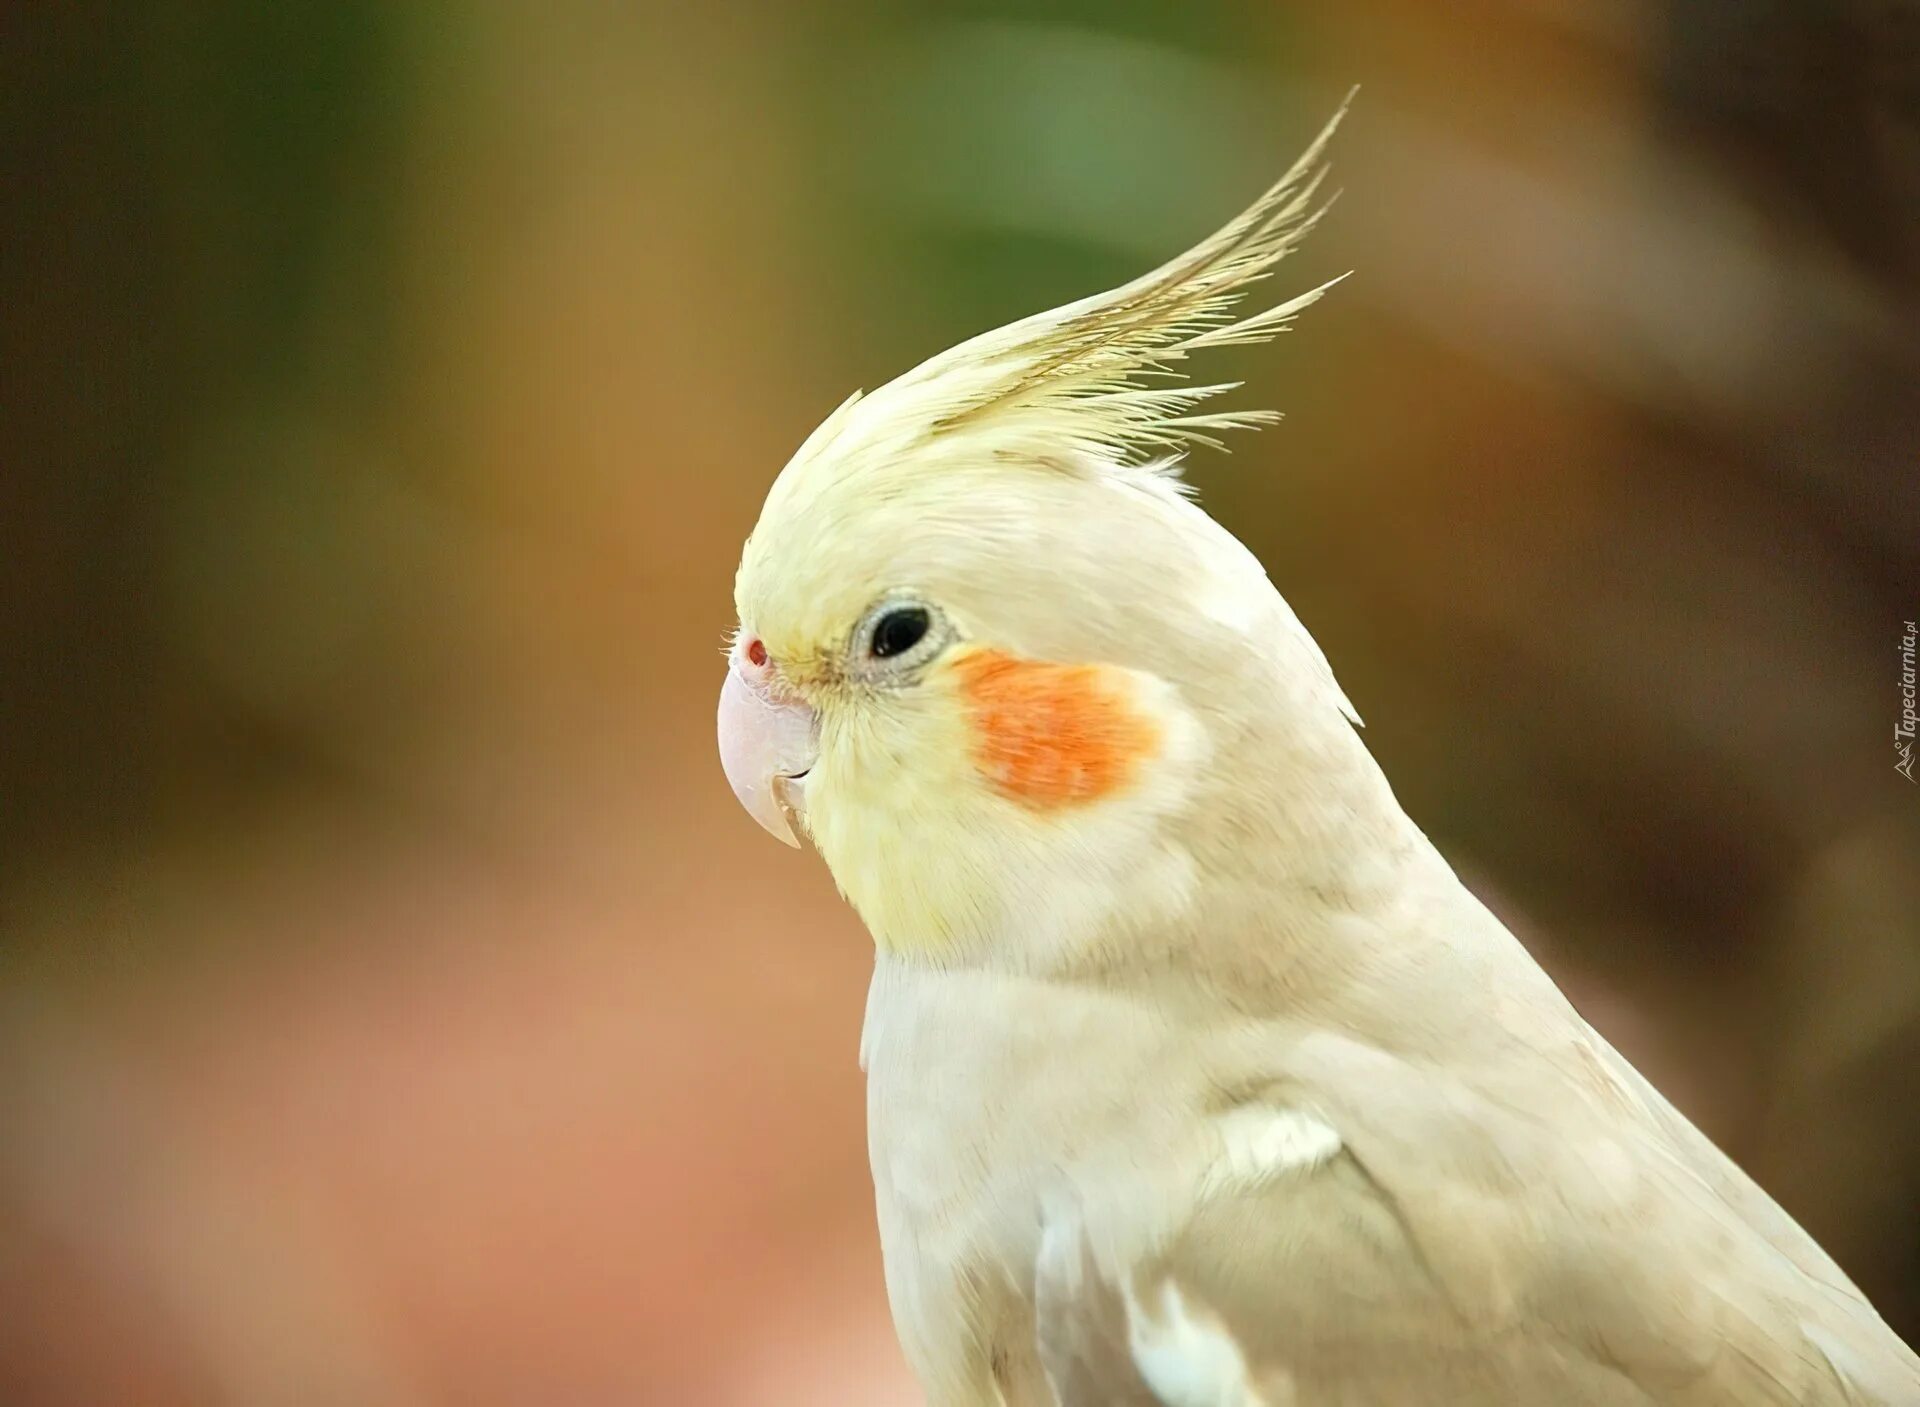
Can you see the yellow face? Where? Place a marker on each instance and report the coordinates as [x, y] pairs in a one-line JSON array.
[[941, 761]]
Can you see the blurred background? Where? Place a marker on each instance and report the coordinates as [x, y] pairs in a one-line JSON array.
[[395, 1007]]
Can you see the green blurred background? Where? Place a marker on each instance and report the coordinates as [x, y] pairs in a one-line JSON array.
[[396, 1008]]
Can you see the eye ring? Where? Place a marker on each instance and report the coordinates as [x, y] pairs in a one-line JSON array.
[[898, 634]]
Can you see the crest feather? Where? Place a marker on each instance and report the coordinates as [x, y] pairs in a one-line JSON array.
[[1067, 384]]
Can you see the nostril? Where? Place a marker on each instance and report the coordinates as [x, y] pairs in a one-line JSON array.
[[756, 653]]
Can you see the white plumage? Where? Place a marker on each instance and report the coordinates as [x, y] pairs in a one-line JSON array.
[[1196, 1078]]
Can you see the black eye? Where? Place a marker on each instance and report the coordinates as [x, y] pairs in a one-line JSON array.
[[900, 630]]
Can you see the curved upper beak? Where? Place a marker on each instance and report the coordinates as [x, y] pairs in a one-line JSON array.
[[767, 747]]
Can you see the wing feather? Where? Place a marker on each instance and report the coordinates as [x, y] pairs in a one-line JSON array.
[[1465, 1249]]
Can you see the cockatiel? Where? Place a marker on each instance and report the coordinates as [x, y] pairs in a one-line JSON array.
[[1196, 1078]]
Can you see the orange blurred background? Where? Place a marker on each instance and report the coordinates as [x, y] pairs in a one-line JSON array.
[[396, 1008]]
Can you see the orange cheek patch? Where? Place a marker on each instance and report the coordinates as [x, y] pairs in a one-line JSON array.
[[1053, 735]]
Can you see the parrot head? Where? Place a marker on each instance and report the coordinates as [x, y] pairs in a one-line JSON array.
[[992, 659]]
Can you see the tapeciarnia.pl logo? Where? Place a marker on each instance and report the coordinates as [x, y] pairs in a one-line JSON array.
[[1904, 729]]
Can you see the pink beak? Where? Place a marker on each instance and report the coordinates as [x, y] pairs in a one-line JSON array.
[[767, 747]]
